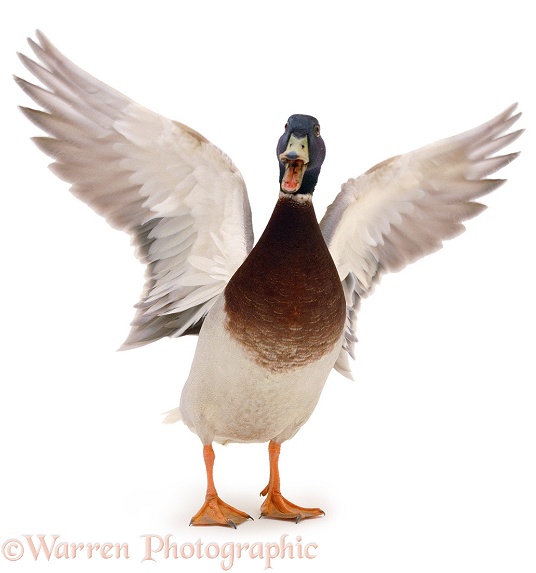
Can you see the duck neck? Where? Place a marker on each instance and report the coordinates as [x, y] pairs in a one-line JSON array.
[[293, 226]]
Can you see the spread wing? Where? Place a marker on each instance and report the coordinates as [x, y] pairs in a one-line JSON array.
[[180, 198], [403, 208]]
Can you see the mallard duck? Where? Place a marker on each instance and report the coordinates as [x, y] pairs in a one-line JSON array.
[[273, 319]]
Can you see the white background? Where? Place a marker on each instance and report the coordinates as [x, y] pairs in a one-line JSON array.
[[427, 461]]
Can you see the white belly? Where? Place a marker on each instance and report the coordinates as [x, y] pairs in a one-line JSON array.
[[228, 397]]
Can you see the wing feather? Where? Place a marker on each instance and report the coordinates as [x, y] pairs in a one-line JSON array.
[[405, 207], [180, 198]]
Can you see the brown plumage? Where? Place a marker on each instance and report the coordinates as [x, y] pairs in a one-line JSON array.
[[284, 290]]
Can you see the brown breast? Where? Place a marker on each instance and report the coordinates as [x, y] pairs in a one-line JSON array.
[[285, 304]]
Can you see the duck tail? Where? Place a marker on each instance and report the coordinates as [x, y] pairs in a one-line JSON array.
[[172, 416]]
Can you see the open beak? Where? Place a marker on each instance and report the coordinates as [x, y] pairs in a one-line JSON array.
[[295, 159]]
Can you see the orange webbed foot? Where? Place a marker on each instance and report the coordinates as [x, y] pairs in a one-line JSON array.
[[275, 506], [216, 512]]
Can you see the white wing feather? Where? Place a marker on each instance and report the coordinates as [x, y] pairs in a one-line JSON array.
[[180, 198], [403, 208]]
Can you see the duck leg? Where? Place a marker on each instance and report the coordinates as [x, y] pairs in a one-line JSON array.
[[215, 511], [275, 506]]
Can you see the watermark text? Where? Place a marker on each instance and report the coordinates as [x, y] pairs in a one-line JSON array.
[[152, 547]]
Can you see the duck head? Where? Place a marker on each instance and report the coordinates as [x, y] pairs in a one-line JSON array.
[[300, 151]]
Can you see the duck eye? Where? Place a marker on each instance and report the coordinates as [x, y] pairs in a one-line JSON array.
[[286, 125], [317, 130]]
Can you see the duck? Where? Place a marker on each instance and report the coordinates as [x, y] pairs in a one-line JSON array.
[[275, 317]]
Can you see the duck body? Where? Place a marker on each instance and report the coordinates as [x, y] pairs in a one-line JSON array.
[[268, 344]]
